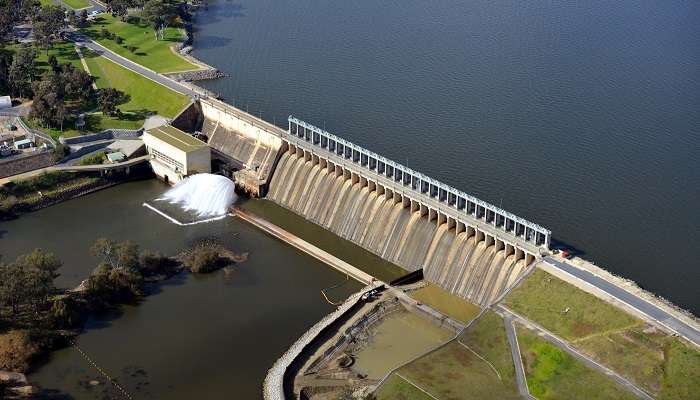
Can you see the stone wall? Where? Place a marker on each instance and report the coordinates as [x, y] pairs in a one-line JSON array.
[[25, 162]]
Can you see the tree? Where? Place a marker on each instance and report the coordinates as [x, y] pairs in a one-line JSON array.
[[21, 72], [118, 8], [202, 259], [77, 84], [73, 17], [119, 255], [109, 99], [13, 286], [41, 270], [83, 20], [5, 62], [48, 24], [48, 105], [159, 13]]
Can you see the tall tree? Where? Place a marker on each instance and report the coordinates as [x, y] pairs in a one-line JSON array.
[[118, 8], [48, 24], [21, 72], [109, 99], [160, 14]]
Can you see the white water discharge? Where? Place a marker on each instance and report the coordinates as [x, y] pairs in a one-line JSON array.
[[207, 195]]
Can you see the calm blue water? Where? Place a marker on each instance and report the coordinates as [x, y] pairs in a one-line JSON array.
[[584, 118]]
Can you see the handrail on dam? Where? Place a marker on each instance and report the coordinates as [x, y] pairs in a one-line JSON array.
[[449, 200]]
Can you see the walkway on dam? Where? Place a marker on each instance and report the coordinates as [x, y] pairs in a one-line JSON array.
[[304, 246], [74, 168], [645, 307]]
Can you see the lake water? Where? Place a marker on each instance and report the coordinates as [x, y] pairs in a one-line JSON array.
[[581, 116], [205, 336]]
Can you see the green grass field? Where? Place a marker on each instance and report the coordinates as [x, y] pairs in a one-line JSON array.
[[447, 303], [77, 4], [564, 309], [553, 374], [64, 52], [151, 53], [487, 337], [145, 96]]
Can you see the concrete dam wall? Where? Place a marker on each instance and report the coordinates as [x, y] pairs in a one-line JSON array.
[[469, 263], [467, 246]]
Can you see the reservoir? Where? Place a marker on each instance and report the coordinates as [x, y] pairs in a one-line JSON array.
[[581, 117], [204, 336]]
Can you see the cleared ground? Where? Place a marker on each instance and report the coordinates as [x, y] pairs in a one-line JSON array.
[[150, 52], [564, 309], [397, 388], [455, 372], [553, 374], [487, 337], [447, 303]]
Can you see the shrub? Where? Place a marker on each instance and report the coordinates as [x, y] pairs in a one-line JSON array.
[[153, 263], [16, 351], [202, 259], [131, 48], [60, 151], [97, 158], [118, 39]]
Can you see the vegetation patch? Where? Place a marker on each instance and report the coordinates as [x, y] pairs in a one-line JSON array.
[[487, 337], [554, 374], [94, 159], [453, 306], [135, 39], [681, 373], [397, 388], [455, 372], [76, 4], [564, 309]]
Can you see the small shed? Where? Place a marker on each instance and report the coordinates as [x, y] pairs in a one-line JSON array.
[[23, 144], [5, 102], [116, 157]]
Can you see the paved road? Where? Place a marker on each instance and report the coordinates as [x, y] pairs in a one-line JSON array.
[[517, 360], [509, 316], [645, 307], [84, 41]]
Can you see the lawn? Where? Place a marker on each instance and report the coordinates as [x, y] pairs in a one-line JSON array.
[[77, 4], [564, 309], [455, 372], [149, 52], [487, 337], [553, 374], [63, 51], [453, 306], [145, 96]]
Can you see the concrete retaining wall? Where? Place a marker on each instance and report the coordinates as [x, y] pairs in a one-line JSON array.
[[273, 386]]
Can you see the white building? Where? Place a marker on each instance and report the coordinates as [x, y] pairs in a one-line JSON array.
[[5, 102], [176, 154]]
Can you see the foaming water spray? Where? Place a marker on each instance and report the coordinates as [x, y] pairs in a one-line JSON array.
[[207, 196]]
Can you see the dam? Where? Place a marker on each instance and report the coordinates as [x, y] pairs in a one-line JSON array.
[[466, 246]]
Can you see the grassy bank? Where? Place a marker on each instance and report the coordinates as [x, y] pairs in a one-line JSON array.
[[76, 4], [487, 337], [663, 365], [25, 195], [145, 96], [564, 309], [553, 374], [139, 36]]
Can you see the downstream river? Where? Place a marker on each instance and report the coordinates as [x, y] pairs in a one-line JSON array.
[[206, 336], [581, 116]]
